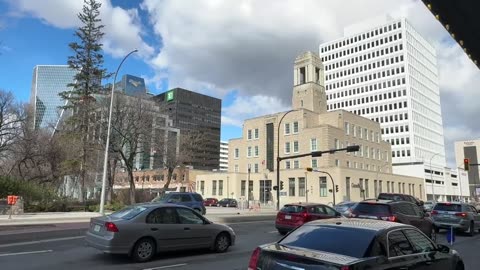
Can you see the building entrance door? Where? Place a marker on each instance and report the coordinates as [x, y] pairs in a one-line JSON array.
[[265, 191]]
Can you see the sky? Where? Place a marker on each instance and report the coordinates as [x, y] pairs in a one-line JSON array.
[[240, 51]]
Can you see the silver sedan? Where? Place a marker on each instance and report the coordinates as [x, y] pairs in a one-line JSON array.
[[142, 230]]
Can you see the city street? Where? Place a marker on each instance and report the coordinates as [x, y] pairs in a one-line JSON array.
[[70, 253]]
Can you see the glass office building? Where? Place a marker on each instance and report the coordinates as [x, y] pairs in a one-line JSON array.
[[47, 82]]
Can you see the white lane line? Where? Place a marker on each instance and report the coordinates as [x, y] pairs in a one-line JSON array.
[[25, 253], [273, 232], [41, 241], [166, 266]]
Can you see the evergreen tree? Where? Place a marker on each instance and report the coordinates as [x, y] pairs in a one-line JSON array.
[[80, 97]]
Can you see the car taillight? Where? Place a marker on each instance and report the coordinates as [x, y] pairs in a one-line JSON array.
[[346, 267], [252, 265], [111, 227], [463, 215], [390, 218], [434, 212]]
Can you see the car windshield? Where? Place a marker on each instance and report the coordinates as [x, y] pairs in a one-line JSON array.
[[161, 198], [372, 209], [128, 212], [338, 240], [448, 207], [292, 209]]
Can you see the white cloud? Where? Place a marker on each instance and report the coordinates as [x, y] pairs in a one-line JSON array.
[[250, 45], [123, 29], [244, 107]]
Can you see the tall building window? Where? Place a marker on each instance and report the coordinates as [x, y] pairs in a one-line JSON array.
[[295, 146], [313, 144], [236, 168], [243, 186], [367, 189], [291, 187], [336, 143], [347, 128], [256, 151], [202, 187], [287, 164], [287, 128], [301, 186], [323, 186], [214, 187], [249, 134], [296, 164], [220, 187], [249, 151], [347, 187], [237, 153], [287, 148], [314, 163], [295, 127], [375, 188], [256, 133]]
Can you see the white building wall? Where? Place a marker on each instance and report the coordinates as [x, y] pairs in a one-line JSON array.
[[223, 156], [388, 73]]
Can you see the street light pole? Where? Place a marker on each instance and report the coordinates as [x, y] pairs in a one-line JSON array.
[[279, 159], [105, 161], [431, 177], [248, 194]]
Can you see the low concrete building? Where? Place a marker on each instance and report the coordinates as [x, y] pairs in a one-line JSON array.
[[308, 128]]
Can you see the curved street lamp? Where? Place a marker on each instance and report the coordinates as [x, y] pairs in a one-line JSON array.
[[105, 161], [431, 177], [278, 158]]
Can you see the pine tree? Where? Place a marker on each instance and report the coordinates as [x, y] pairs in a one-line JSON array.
[[80, 98]]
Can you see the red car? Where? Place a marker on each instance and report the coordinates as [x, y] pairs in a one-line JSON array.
[[292, 216], [210, 202]]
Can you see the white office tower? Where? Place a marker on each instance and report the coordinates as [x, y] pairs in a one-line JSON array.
[[384, 70], [223, 156]]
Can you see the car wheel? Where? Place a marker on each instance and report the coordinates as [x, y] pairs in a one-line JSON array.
[[471, 229], [222, 242], [437, 230], [459, 266], [144, 250]]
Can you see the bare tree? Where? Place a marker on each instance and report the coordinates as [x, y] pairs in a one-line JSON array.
[[12, 119]]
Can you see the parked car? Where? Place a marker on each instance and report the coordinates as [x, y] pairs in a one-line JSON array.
[[428, 205], [210, 202], [142, 230], [227, 203], [396, 211], [189, 199], [345, 208], [292, 216], [353, 244], [460, 216], [399, 197]]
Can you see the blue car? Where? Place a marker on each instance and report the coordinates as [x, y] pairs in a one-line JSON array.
[[189, 199]]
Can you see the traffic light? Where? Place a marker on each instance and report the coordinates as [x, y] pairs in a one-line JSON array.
[[281, 185], [466, 164], [309, 169], [336, 188], [353, 148], [275, 188], [316, 154]]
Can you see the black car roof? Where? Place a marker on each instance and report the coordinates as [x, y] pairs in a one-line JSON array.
[[357, 223]]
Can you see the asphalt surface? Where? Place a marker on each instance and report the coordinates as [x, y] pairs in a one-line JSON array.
[[70, 253]]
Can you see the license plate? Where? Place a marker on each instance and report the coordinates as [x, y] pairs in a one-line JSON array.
[[288, 217], [96, 228]]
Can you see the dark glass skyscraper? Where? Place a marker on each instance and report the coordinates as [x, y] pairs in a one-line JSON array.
[[196, 112]]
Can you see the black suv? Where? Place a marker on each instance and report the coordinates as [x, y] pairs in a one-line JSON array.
[[395, 211], [400, 197], [189, 199]]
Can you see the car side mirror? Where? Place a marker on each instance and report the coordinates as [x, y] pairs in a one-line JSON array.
[[442, 248], [337, 214]]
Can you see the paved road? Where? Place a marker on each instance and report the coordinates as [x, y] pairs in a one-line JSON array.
[[71, 253]]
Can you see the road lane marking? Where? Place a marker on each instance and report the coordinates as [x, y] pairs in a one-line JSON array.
[[41, 241], [166, 266], [25, 253], [273, 232]]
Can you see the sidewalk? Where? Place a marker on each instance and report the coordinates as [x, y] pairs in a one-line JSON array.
[[216, 214]]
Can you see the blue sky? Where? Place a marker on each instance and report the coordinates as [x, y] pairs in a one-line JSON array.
[[240, 51]]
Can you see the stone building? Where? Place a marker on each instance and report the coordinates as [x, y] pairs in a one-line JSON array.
[[308, 127]]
